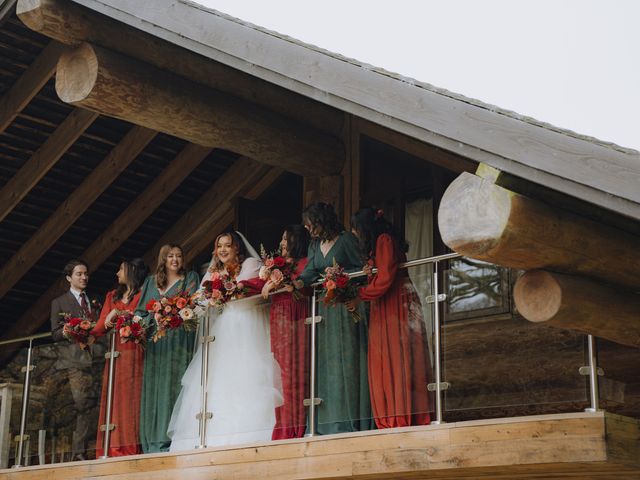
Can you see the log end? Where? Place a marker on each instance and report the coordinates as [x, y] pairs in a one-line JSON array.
[[538, 296], [473, 215], [76, 74], [30, 13]]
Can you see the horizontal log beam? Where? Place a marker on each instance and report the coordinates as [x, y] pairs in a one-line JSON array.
[[71, 23], [70, 210], [44, 159], [487, 222], [579, 304], [29, 83], [122, 87]]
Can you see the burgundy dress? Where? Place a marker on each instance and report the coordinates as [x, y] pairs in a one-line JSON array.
[[399, 367], [127, 387], [289, 344]]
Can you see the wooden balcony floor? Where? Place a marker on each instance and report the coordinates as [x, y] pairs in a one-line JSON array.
[[578, 445]]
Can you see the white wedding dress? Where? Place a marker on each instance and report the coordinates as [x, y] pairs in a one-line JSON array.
[[244, 383]]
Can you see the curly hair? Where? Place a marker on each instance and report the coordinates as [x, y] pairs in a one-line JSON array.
[[236, 241], [323, 216], [161, 268]]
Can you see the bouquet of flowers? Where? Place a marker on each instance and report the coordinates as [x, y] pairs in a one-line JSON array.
[[221, 288], [77, 330], [173, 312], [277, 269], [130, 328], [338, 288]]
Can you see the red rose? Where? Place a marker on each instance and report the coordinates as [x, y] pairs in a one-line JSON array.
[[150, 304], [279, 262], [217, 284], [342, 282], [175, 321], [74, 321], [136, 329]]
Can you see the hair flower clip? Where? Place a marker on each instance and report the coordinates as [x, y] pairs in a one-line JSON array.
[[379, 213]]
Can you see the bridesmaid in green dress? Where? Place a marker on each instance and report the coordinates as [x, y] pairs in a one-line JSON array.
[[165, 361], [342, 379]]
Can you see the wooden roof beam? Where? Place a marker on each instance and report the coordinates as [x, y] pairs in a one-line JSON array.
[[210, 207], [80, 199], [127, 223], [121, 87], [29, 83], [580, 304], [71, 23], [484, 221], [44, 159]]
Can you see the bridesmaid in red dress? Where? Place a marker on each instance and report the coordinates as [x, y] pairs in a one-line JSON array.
[[290, 338], [127, 381], [399, 367]]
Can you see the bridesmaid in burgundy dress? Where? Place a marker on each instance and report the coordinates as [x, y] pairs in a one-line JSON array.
[[398, 359], [289, 338], [127, 381]]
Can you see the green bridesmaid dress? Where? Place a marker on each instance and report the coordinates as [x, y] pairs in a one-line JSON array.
[[342, 377], [165, 362]]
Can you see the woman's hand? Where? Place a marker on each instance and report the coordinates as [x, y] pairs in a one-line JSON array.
[[298, 284], [267, 288], [368, 270], [108, 322], [352, 305]]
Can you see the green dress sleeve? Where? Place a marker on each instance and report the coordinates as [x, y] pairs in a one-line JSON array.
[[311, 272], [191, 283]]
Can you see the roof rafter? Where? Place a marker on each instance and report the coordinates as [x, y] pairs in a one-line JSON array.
[[44, 159], [114, 236], [80, 199]]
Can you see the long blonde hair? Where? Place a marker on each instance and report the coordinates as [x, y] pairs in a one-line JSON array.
[[161, 269]]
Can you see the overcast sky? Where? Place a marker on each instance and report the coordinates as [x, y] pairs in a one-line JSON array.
[[572, 63]]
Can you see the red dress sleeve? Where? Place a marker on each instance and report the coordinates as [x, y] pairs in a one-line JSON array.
[[100, 328], [386, 262], [254, 285]]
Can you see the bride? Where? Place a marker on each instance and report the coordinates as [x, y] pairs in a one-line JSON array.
[[243, 377]]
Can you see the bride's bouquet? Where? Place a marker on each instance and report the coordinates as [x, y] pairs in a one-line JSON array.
[[220, 289], [277, 269], [338, 288], [130, 328], [78, 330], [170, 313]]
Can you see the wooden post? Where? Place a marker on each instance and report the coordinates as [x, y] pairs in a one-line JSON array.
[[579, 304], [121, 87], [487, 222]]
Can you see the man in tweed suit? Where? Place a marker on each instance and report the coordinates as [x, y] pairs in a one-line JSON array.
[[73, 362]]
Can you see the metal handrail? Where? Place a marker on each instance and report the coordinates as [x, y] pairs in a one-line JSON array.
[[26, 339]]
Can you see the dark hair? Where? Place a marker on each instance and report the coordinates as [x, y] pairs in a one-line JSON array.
[[161, 267], [297, 240], [369, 224], [135, 273], [236, 241], [324, 216], [68, 268]]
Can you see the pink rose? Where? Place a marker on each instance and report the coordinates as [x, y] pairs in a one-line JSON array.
[[268, 262], [216, 294], [276, 276], [181, 303], [330, 285], [240, 286], [85, 325], [125, 332], [167, 309], [215, 275], [229, 286]]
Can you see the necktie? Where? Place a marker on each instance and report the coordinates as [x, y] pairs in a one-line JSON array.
[[84, 304]]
